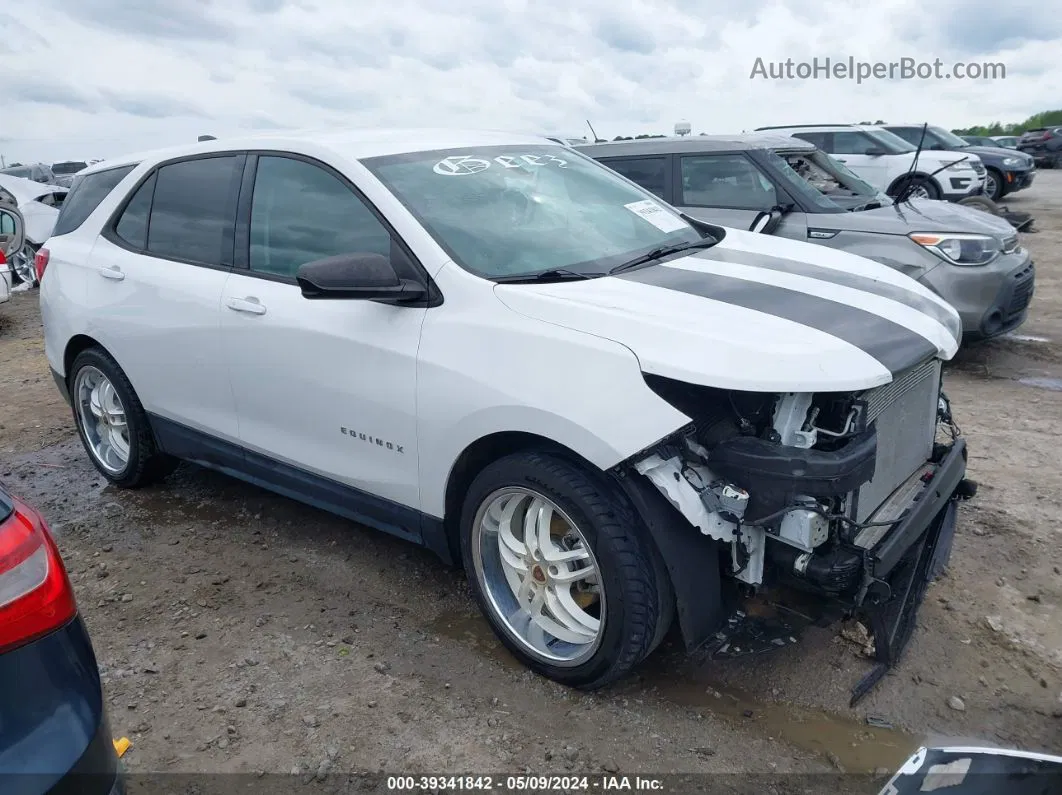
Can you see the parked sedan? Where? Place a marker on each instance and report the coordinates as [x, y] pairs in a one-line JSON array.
[[971, 259], [54, 733]]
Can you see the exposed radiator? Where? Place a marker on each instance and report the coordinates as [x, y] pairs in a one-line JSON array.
[[905, 412]]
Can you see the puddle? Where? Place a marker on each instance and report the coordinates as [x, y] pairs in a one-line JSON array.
[[853, 744], [1054, 384], [1025, 338]]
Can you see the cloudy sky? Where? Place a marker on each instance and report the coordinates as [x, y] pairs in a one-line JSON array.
[[94, 78]]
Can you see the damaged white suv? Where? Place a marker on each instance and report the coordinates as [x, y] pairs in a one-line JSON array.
[[493, 346]]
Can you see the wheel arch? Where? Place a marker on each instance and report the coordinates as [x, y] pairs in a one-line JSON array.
[[896, 183], [483, 452], [74, 346]]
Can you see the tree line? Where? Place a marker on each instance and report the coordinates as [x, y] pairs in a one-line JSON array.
[[1047, 118]]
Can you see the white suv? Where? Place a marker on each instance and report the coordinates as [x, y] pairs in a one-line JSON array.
[[885, 160], [493, 346]]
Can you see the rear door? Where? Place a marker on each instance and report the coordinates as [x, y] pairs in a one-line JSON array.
[[726, 188], [158, 271]]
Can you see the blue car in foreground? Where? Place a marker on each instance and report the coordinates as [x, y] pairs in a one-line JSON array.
[[54, 735]]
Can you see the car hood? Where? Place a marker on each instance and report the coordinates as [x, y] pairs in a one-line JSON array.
[[917, 215], [756, 313], [989, 154]]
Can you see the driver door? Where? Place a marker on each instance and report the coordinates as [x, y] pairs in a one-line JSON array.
[[324, 389]]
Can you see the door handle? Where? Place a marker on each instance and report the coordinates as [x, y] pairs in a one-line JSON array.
[[250, 305], [112, 272], [841, 160]]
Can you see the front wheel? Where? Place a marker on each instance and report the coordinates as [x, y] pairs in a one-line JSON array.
[[917, 188], [22, 264], [562, 570], [994, 184]]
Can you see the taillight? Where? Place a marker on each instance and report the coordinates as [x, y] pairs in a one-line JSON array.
[[40, 262], [3, 258], [35, 593], [1047, 134]]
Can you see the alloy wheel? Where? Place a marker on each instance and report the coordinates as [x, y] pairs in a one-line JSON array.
[[540, 576], [102, 418]]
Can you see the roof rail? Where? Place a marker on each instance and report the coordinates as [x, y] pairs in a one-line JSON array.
[[795, 126]]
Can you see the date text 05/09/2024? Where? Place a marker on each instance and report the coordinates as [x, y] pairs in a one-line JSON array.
[[524, 783]]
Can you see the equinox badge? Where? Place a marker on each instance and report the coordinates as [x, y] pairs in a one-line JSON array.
[[376, 440]]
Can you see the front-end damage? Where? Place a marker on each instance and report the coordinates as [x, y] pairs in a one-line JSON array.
[[844, 497]]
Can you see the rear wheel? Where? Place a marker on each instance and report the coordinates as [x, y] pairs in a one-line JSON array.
[[112, 423], [562, 569]]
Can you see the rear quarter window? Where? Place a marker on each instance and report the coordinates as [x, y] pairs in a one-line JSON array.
[[85, 196]]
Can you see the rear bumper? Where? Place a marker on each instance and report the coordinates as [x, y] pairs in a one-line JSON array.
[[60, 382], [96, 772], [54, 734]]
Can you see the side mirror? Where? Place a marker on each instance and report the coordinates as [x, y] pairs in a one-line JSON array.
[[12, 231], [765, 222], [364, 276], [875, 153]]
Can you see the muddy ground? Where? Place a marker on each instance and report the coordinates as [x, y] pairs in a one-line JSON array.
[[241, 631]]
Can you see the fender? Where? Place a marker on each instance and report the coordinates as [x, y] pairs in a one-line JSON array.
[[692, 561]]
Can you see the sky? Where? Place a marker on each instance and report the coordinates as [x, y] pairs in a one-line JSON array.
[[95, 78]]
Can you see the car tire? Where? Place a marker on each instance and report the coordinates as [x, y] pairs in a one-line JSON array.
[[982, 203], [916, 183], [22, 267], [579, 515], [997, 188], [118, 437]]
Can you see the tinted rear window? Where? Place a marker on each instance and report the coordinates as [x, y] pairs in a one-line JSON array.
[[132, 226], [193, 214], [85, 196]]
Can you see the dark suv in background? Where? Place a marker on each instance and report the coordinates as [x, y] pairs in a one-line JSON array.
[[1006, 171], [1044, 144]]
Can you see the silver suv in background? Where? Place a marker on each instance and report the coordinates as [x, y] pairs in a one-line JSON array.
[[971, 259]]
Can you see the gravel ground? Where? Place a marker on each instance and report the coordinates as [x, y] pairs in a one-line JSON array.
[[241, 631]]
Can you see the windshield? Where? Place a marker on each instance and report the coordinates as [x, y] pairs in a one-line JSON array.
[[948, 139], [513, 210], [823, 181], [890, 142], [19, 171], [68, 168]]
